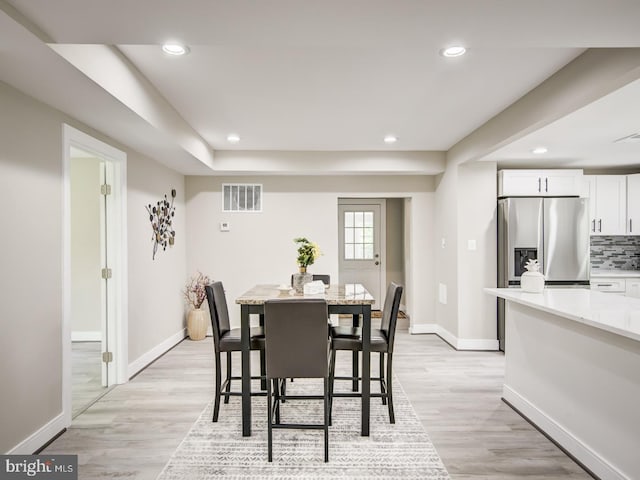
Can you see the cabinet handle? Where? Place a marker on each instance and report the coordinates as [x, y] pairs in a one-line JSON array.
[[593, 225], [539, 184], [600, 225], [546, 185], [630, 226], [604, 284]]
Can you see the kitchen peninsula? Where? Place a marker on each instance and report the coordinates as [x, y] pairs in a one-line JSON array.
[[572, 367]]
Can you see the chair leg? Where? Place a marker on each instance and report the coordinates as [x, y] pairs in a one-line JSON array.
[[228, 389], [392, 418], [218, 380], [382, 389], [332, 374], [326, 420], [269, 433], [276, 388]]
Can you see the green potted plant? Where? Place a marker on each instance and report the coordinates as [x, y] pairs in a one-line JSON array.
[[308, 252], [194, 295]]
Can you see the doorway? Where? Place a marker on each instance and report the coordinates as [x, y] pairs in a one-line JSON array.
[[362, 244], [94, 283]]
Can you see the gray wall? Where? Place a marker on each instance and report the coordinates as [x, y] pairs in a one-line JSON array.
[[31, 260], [395, 242]]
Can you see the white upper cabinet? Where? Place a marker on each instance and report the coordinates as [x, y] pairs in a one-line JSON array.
[[633, 204], [539, 183], [607, 204]]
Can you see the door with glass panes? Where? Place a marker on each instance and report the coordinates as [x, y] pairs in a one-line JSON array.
[[360, 245]]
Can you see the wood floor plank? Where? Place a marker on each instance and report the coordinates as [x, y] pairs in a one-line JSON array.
[[133, 430]]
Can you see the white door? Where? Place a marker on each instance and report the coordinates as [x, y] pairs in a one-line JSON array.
[[361, 245]]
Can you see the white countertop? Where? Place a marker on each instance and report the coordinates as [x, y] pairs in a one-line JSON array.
[[613, 313], [615, 273]]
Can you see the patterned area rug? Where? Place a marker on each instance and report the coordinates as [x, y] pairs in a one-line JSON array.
[[399, 451]]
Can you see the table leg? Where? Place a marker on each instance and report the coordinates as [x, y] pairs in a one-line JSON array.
[[354, 357], [263, 370], [246, 370], [366, 368]]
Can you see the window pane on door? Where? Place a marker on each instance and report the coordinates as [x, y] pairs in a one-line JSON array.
[[358, 235]]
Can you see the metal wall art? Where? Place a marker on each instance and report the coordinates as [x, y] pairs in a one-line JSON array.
[[161, 217]]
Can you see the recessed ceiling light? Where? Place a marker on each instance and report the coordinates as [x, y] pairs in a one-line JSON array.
[[390, 139], [233, 138], [453, 51], [175, 49], [539, 150]]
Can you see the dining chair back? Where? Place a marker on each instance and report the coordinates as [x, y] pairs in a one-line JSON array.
[[382, 341], [226, 339], [296, 346]]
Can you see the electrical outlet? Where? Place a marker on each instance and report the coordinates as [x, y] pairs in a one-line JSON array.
[[444, 242], [471, 245], [225, 227]]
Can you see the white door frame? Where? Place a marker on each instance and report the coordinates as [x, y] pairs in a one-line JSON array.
[[379, 302], [117, 252]]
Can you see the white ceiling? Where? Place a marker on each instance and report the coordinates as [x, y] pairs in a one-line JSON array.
[[298, 75]]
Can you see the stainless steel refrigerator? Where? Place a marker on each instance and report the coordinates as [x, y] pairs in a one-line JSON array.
[[554, 230]]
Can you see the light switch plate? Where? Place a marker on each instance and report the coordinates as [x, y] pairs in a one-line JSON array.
[[471, 244], [444, 243], [442, 293], [224, 226]]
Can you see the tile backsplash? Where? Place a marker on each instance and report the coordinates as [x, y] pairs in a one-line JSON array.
[[615, 253]]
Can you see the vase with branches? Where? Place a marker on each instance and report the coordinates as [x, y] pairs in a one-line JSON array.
[[194, 296]]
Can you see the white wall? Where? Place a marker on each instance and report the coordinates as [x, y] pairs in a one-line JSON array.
[[31, 259], [477, 268], [86, 297], [156, 306], [259, 247]]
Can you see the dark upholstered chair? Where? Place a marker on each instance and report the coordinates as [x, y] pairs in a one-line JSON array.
[[226, 339], [326, 279], [296, 346], [382, 340]]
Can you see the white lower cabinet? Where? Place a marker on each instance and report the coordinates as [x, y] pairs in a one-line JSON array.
[[613, 284], [633, 287]]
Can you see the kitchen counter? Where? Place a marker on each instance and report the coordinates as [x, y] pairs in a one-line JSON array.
[[615, 273], [572, 367], [614, 313]]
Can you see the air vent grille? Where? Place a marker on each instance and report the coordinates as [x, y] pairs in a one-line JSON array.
[[633, 138]]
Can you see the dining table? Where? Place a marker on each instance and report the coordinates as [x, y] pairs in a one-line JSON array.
[[352, 299]]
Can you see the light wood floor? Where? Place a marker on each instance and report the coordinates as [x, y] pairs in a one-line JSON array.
[[86, 375], [133, 430]]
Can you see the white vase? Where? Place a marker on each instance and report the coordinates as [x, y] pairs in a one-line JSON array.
[[532, 282]]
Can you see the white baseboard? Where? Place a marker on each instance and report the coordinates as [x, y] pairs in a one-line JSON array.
[[588, 457], [86, 336], [148, 357], [455, 342], [39, 438]]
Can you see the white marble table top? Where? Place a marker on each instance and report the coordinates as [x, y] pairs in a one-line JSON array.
[[614, 313], [349, 294]]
